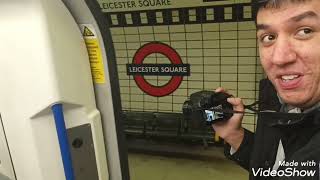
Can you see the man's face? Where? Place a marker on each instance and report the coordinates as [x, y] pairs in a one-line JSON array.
[[289, 46]]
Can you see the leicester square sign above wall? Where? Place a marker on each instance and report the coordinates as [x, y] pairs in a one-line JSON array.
[[176, 69]]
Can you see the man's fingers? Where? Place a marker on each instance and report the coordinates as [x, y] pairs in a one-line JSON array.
[[236, 103], [219, 89]]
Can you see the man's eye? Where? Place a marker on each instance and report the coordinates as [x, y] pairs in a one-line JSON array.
[[268, 39], [304, 33]]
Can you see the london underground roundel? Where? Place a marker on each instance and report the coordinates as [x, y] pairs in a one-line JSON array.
[[176, 69]]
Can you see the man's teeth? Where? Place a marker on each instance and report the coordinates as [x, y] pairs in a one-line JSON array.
[[289, 77]]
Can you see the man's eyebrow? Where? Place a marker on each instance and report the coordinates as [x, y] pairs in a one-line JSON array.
[[308, 14], [262, 27], [297, 18]]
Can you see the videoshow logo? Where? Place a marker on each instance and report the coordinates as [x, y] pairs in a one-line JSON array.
[[287, 172], [176, 69], [292, 168]]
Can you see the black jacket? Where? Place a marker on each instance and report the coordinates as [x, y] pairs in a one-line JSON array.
[[300, 139]]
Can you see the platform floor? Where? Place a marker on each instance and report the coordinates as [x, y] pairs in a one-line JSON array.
[[155, 167]]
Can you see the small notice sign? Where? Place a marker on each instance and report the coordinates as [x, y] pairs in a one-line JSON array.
[[94, 52]]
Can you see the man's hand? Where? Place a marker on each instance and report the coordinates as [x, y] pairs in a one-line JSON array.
[[231, 130]]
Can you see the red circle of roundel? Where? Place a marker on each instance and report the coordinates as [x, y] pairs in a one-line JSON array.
[[171, 54]]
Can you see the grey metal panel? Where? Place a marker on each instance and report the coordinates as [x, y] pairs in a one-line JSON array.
[[82, 153]]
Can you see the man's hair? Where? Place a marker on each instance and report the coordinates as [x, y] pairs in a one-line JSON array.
[[257, 4]]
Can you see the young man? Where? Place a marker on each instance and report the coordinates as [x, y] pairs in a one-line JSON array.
[[288, 33]]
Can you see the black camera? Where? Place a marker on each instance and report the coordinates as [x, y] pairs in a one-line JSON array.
[[208, 106]]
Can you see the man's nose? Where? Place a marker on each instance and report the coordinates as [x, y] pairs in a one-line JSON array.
[[283, 53]]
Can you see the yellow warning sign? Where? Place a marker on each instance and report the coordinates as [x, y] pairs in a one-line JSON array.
[[87, 32], [94, 52], [95, 58]]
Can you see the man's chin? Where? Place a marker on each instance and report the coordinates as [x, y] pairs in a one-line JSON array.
[[294, 99], [300, 103]]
